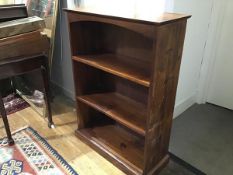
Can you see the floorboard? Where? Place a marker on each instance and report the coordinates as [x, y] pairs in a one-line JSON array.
[[201, 136], [80, 156]]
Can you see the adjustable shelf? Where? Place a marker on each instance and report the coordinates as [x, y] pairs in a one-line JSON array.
[[122, 66], [124, 110], [125, 74]]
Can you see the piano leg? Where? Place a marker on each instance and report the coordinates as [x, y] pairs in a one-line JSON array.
[[45, 75], [5, 121]]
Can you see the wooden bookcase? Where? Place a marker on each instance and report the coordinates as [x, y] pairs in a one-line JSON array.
[[125, 73]]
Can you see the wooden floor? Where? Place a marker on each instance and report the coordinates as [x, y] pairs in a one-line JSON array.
[[80, 156]]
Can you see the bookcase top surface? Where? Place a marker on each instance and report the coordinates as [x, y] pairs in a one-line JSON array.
[[157, 19]]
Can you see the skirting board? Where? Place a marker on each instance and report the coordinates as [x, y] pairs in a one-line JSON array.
[[184, 105], [62, 90]]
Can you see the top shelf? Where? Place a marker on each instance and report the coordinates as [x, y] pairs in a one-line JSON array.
[[157, 19], [122, 66]]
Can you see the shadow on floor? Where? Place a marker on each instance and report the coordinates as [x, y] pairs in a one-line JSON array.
[[203, 137]]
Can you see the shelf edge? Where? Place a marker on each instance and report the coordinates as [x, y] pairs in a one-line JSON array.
[[127, 124], [116, 73]]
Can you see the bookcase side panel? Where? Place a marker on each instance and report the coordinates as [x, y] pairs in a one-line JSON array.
[[168, 48]]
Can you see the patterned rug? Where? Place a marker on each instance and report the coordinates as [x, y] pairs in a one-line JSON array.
[[31, 155], [14, 103]]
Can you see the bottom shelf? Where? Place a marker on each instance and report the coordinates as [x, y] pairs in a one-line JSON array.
[[117, 144]]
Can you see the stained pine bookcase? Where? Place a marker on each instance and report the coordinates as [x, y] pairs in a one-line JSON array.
[[125, 74]]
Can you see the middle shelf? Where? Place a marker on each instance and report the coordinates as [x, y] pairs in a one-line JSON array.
[[122, 109], [123, 66]]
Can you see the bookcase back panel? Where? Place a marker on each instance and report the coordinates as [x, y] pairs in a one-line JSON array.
[[92, 82], [144, 28], [96, 38], [132, 90], [97, 81], [86, 38]]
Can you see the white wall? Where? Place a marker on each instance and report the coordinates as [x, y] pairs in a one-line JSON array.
[[214, 35], [129, 8], [196, 36], [62, 67]]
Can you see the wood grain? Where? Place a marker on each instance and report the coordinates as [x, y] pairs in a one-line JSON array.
[[169, 47], [23, 45], [20, 26], [80, 156], [156, 19], [12, 12], [126, 148], [7, 14], [122, 66], [146, 30], [124, 110]]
